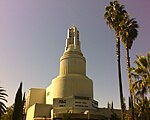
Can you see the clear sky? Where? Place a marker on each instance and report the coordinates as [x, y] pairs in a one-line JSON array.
[[32, 40]]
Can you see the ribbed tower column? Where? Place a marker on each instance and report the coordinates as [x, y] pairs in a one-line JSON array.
[[72, 61]]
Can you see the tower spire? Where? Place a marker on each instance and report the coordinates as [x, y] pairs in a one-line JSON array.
[[72, 41]]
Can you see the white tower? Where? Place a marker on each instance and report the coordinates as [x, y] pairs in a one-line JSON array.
[[72, 80], [71, 83]]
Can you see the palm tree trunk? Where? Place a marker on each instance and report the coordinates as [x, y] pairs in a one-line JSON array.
[[119, 76], [130, 81]]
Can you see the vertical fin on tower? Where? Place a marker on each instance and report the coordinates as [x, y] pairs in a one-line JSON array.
[[72, 40]]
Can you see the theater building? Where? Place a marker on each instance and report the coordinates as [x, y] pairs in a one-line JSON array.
[[70, 93]]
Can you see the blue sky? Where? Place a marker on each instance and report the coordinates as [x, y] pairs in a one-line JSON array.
[[32, 40]]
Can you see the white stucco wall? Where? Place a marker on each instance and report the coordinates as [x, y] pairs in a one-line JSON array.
[[72, 85], [39, 111], [35, 95], [49, 99], [30, 113]]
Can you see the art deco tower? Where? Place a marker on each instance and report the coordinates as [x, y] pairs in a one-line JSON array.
[[72, 80], [71, 91]]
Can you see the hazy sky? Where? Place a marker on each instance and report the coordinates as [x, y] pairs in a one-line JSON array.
[[33, 35]]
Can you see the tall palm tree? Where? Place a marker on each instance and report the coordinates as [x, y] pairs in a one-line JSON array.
[[3, 96], [114, 14], [128, 35]]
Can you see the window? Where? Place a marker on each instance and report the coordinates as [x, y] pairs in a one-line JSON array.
[[61, 105], [62, 101], [82, 98], [84, 102], [81, 106], [77, 102]]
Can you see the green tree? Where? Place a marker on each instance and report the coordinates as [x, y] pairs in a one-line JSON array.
[[17, 114], [114, 116], [142, 109], [108, 105], [112, 105], [141, 86], [128, 35], [114, 15], [23, 108], [141, 77], [3, 96], [8, 114]]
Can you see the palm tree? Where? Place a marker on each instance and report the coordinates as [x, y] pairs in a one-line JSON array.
[[129, 33], [142, 109], [3, 96], [141, 76], [141, 86], [8, 114], [114, 14]]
